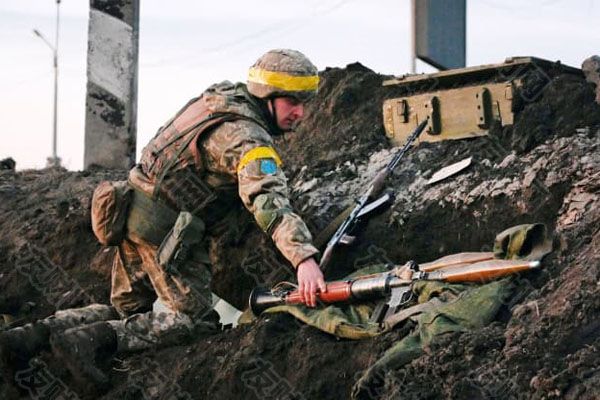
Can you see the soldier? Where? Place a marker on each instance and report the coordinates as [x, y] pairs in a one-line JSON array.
[[214, 152]]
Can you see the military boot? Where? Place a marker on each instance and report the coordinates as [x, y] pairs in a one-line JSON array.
[[20, 344], [81, 348]]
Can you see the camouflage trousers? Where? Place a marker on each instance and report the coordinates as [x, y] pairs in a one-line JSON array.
[[137, 332], [137, 280], [72, 317]]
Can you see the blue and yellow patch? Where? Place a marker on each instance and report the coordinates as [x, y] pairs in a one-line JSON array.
[[267, 158], [268, 166]]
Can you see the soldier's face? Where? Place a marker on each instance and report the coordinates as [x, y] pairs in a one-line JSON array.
[[289, 112]]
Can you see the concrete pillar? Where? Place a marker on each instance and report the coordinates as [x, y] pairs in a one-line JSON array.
[[112, 69]]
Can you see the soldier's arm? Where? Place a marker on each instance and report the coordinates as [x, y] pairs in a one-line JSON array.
[[244, 150]]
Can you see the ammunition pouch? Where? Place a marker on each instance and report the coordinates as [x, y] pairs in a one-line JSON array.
[[150, 220], [177, 246], [175, 233]]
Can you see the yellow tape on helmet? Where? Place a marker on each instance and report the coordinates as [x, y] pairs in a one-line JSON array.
[[256, 154], [284, 81]]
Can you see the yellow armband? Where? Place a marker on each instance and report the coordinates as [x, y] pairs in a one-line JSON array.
[[258, 153]]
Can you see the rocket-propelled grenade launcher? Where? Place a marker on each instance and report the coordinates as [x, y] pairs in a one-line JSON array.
[[395, 284]]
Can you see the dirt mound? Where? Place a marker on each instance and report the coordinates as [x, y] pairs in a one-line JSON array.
[[544, 343], [49, 258]]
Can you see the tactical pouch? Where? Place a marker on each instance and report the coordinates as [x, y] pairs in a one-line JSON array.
[[187, 232], [110, 204]]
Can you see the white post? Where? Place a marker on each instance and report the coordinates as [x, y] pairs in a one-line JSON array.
[[111, 99]]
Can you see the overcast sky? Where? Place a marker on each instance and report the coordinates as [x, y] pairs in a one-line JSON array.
[[186, 45]]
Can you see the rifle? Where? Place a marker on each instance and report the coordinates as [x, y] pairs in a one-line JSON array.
[[395, 284], [363, 206]]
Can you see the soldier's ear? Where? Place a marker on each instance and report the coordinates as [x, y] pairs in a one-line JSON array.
[[271, 106]]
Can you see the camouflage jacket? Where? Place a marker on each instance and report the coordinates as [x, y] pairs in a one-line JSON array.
[[215, 152]]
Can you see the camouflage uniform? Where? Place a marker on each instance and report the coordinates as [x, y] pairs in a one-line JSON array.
[[228, 161]]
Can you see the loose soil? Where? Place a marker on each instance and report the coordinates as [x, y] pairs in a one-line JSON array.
[[544, 344]]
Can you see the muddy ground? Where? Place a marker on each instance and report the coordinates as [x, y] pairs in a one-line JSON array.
[[544, 343]]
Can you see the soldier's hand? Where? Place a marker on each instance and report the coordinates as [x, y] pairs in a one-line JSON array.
[[310, 278]]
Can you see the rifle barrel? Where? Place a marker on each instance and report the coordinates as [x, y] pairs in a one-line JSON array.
[[416, 133], [374, 189]]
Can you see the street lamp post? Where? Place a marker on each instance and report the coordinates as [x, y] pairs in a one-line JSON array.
[[54, 160]]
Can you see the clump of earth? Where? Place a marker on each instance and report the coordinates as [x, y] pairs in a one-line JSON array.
[[543, 344]]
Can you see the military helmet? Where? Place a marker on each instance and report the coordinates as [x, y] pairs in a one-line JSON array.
[[283, 72]]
